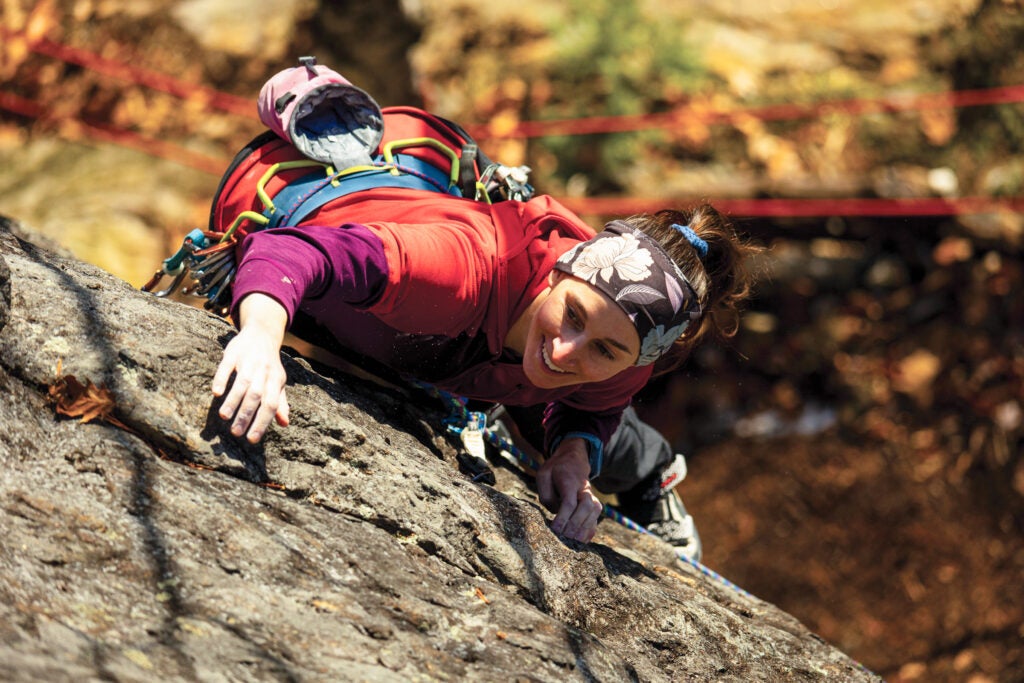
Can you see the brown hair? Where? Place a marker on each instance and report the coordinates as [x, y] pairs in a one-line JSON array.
[[721, 278]]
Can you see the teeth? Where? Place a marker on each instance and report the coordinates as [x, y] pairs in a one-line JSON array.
[[547, 361]]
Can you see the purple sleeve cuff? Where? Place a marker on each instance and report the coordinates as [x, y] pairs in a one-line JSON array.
[[595, 449], [561, 420]]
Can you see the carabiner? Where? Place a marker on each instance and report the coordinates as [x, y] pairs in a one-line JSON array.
[[179, 277], [175, 265]]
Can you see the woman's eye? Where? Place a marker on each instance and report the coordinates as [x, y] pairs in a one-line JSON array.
[[573, 316], [606, 352]]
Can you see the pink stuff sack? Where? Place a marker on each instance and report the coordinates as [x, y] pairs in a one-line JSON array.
[[322, 114]]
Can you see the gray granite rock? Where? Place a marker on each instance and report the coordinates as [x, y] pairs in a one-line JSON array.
[[345, 547]]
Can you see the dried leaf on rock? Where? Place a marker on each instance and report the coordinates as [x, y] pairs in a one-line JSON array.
[[87, 401]]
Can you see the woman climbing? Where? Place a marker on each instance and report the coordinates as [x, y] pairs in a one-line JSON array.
[[517, 303]]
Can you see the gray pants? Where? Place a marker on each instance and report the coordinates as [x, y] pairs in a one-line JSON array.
[[633, 458]]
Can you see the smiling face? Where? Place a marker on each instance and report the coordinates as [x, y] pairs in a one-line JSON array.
[[577, 335]]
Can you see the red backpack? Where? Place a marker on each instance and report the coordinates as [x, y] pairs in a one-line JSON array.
[[318, 122]]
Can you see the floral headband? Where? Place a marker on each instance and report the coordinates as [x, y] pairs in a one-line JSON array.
[[633, 269]]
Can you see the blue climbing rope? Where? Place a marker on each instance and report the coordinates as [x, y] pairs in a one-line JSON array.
[[459, 416]]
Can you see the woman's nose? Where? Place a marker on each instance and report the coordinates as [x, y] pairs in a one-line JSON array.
[[563, 348]]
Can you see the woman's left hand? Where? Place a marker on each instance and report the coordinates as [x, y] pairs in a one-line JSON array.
[[253, 358], [563, 485]]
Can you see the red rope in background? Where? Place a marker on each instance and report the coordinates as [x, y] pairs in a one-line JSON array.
[[242, 106], [120, 136], [804, 208], [581, 126]]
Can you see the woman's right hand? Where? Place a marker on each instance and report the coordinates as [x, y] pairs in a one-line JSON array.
[[564, 488], [253, 356]]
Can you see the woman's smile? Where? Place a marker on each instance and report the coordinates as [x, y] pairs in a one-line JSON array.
[[574, 334], [547, 359]]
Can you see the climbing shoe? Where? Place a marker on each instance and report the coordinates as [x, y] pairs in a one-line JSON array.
[[657, 507]]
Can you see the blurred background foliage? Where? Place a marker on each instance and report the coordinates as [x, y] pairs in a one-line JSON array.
[[855, 452], [718, 74], [613, 60]]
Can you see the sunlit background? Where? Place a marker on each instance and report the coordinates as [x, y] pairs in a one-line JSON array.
[[855, 452]]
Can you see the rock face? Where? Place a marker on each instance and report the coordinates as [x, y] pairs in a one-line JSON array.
[[154, 546]]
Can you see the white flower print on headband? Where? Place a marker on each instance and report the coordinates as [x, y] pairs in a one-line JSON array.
[[623, 257], [658, 340]]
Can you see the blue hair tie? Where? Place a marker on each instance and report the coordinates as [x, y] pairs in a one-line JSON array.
[[700, 245]]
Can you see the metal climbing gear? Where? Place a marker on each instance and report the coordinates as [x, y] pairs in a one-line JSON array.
[[473, 457], [209, 261], [506, 182]]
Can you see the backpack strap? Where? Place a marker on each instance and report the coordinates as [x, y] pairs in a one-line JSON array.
[[304, 196]]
